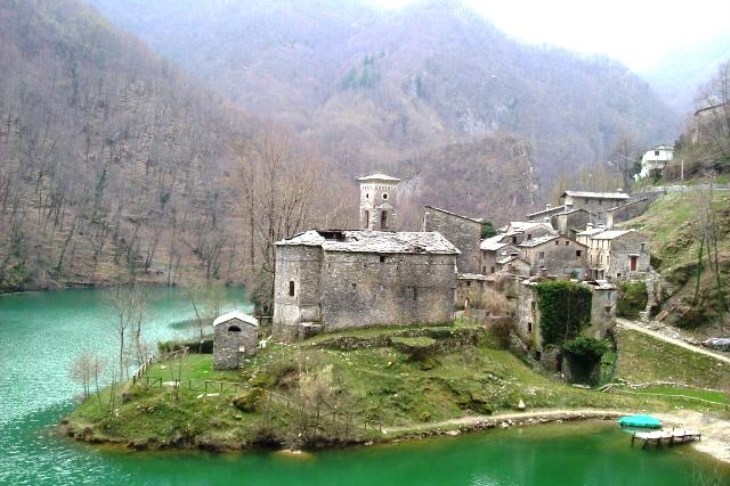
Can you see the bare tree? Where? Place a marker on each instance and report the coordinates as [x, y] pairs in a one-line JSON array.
[[128, 305], [713, 117]]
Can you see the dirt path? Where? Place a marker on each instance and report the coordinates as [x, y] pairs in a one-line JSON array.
[[715, 432], [505, 420], [625, 324]]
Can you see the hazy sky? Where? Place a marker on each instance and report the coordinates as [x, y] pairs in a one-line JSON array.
[[636, 32]]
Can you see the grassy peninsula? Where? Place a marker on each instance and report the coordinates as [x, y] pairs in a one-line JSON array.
[[349, 388]]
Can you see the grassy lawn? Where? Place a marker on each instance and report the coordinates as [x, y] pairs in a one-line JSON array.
[[643, 359], [709, 395], [411, 381], [192, 367]]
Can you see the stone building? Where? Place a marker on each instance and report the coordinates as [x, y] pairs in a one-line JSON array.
[[330, 280], [465, 233], [519, 231], [616, 254], [235, 337], [378, 200], [555, 255], [571, 222], [596, 203], [495, 251], [527, 326]]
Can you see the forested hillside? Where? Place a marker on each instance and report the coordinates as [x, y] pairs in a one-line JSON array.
[[113, 165], [372, 90]]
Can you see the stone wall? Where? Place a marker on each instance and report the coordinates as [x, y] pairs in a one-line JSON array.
[[568, 222], [367, 289], [527, 324], [230, 337], [464, 233], [603, 312], [298, 272], [561, 257], [622, 249]]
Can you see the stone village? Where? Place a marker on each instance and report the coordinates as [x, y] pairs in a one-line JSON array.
[[329, 280]]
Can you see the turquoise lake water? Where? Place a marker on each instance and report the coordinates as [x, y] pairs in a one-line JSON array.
[[42, 332]]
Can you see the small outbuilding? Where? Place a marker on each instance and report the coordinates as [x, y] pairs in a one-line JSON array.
[[235, 337]]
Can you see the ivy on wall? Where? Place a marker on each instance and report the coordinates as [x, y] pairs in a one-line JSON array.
[[565, 309]]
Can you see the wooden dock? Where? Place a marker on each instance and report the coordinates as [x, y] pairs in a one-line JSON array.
[[666, 437]]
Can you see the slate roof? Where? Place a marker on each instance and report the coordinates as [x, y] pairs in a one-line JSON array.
[[236, 315], [538, 241], [611, 234], [432, 243], [474, 220], [378, 178], [597, 195], [591, 232], [546, 211], [493, 244], [522, 226]]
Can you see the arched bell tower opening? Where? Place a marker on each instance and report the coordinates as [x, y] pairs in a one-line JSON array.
[[378, 197]]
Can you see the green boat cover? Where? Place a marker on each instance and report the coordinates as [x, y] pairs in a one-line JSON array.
[[646, 421]]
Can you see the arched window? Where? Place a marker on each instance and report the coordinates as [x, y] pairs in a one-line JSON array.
[[234, 329], [384, 220]]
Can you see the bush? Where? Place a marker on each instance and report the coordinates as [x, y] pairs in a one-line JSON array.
[[249, 400], [584, 355], [194, 346], [496, 303], [586, 349], [632, 299]]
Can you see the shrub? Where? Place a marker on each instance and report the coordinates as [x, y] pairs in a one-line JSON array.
[[193, 345], [249, 400], [586, 349], [496, 303], [632, 299]]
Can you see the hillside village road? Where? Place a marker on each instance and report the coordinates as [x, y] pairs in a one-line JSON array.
[[625, 324]]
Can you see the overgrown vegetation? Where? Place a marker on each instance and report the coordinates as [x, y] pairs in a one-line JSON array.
[[632, 299], [339, 389], [689, 234], [565, 309], [584, 355]]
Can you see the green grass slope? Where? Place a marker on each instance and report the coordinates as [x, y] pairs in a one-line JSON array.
[[690, 245], [334, 390]]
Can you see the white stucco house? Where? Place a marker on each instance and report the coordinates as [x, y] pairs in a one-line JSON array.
[[655, 160]]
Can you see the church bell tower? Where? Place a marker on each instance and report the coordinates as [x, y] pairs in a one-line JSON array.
[[378, 198]]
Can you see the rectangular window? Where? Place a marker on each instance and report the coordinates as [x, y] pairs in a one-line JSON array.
[[291, 288], [557, 242], [542, 255], [382, 258], [643, 247], [578, 253]]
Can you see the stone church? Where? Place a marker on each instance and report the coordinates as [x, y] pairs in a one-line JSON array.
[[330, 280]]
